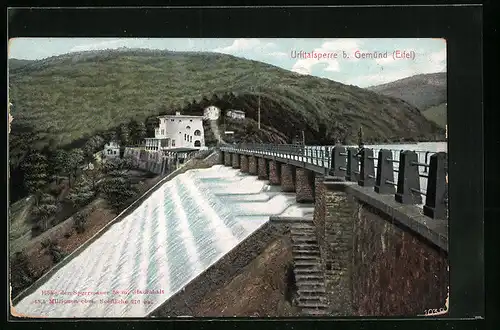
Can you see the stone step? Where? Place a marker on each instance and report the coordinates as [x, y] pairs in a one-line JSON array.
[[305, 246], [310, 289], [301, 276], [307, 271], [314, 298], [303, 234], [303, 263], [312, 302], [305, 239], [310, 283], [306, 257], [306, 252]]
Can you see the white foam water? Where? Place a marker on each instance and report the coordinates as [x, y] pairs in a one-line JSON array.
[[184, 227]]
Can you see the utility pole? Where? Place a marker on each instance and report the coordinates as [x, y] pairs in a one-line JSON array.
[[259, 111], [303, 138]]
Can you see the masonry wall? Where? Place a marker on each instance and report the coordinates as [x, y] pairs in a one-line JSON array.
[[244, 163], [304, 185], [375, 266], [287, 178], [395, 272], [274, 172], [235, 160], [227, 159], [252, 165], [338, 233], [262, 168]]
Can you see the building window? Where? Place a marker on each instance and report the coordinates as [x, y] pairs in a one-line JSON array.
[[185, 137], [162, 131], [173, 143], [197, 143], [197, 132], [190, 139], [171, 120], [188, 127], [114, 152], [180, 121]]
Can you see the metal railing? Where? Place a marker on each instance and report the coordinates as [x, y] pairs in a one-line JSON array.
[[414, 169]]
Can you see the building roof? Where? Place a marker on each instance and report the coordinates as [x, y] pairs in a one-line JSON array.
[[179, 116], [237, 111]]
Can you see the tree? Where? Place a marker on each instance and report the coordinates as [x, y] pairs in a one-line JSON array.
[[81, 194], [42, 213], [35, 173], [124, 134], [93, 176], [110, 135], [76, 158], [60, 164], [21, 275], [137, 131], [140, 133], [117, 191], [92, 145]]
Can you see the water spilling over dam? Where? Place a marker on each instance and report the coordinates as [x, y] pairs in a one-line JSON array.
[[183, 228]]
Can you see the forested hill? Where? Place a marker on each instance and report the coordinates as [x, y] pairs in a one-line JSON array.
[[427, 92], [63, 100]]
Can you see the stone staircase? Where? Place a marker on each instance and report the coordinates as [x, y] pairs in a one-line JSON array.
[[308, 270]]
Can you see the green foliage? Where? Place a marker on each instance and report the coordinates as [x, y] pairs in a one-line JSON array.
[[93, 176], [35, 172], [21, 275], [93, 145], [59, 164], [76, 158], [124, 134], [437, 114], [137, 131], [70, 97], [422, 91], [42, 214], [117, 190], [80, 219], [81, 194]]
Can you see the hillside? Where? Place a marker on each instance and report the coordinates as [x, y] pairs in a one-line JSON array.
[[422, 91], [436, 114], [66, 99], [15, 63]]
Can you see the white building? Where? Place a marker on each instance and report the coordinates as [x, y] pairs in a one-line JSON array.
[[236, 114], [178, 133], [111, 150]]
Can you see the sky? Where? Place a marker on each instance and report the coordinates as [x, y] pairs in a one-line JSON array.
[[425, 55]]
